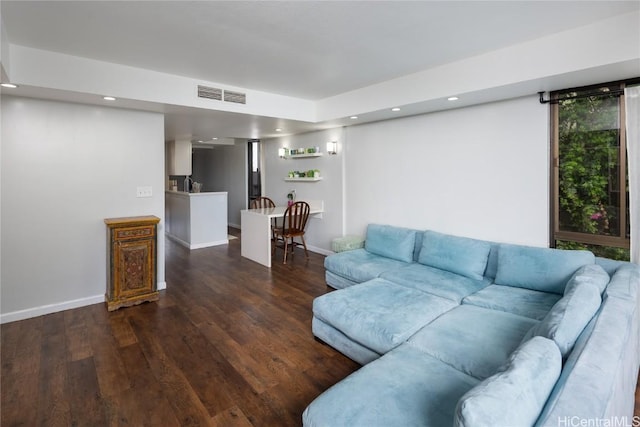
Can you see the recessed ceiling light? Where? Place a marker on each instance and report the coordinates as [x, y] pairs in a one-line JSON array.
[[214, 138], [353, 117], [452, 98], [108, 98], [200, 141], [9, 85], [278, 130], [395, 109]]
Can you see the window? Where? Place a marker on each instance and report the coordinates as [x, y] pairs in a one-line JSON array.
[[590, 179]]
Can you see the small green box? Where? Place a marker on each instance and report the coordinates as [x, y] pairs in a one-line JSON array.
[[347, 243]]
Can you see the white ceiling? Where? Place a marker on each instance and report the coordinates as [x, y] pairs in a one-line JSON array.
[[305, 49]]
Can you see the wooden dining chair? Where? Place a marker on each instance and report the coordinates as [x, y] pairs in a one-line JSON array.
[[294, 224], [263, 203]]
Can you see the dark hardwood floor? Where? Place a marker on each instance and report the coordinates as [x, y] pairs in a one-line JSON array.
[[229, 343], [636, 411]]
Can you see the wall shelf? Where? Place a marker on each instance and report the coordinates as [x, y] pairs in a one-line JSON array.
[[300, 156], [303, 179]]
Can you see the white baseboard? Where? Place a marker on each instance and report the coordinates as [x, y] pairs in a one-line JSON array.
[[177, 240], [234, 226], [319, 250], [196, 245], [50, 308], [62, 306], [208, 244]]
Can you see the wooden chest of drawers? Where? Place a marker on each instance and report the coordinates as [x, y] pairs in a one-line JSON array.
[[131, 261]]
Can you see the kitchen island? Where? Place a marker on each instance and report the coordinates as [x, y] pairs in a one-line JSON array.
[[196, 220]]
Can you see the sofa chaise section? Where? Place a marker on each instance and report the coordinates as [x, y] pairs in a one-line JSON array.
[[378, 315]]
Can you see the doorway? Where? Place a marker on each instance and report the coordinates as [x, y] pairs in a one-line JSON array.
[[255, 180]]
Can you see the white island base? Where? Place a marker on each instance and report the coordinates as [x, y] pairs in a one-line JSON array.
[[196, 220]]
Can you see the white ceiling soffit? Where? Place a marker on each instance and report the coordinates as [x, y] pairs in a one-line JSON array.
[[305, 49], [325, 57]]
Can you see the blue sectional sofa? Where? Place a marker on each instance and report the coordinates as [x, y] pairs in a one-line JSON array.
[[457, 331]]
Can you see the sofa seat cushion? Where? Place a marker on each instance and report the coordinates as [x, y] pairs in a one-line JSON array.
[[516, 394], [360, 265], [520, 301], [391, 242], [379, 314], [568, 317], [435, 281], [474, 340], [403, 388], [460, 255], [540, 269]]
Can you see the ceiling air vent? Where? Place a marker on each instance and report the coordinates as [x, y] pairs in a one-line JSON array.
[[237, 97], [209, 93]]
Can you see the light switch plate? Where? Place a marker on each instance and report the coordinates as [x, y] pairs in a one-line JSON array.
[[144, 192]]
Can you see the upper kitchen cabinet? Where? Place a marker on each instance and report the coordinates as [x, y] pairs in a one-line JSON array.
[[179, 157]]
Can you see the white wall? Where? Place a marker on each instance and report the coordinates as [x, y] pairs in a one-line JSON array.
[[5, 57], [224, 168], [66, 167], [320, 231], [480, 172]]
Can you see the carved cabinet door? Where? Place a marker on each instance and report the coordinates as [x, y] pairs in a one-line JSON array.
[[134, 267]]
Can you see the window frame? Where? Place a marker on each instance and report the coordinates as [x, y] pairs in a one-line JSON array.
[[620, 241]]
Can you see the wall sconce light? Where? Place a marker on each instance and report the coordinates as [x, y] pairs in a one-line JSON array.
[[282, 152], [332, 147]]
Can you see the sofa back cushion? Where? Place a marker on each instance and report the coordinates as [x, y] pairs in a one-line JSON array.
[[540, 269], [392, 242], [460, 255], [592, 273], [625, 282], [516, 394], [568, 317]]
